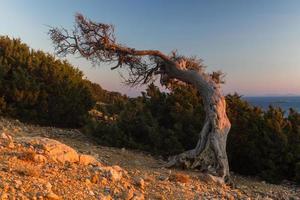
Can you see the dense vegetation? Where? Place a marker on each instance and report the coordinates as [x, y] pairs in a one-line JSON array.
[[261, 143], [36, 87]]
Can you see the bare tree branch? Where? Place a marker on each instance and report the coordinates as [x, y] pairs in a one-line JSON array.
[[97, 42]]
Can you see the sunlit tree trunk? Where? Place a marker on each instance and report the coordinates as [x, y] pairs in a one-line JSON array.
[[210, 151]]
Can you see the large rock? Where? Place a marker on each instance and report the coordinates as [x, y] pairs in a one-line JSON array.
[[52, 149]]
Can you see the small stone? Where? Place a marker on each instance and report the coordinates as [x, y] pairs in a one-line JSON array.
[[138, 196], [103, 181], [48, 187], [4, 195], [95, 179], [162, 178], [18, 183], [139, 182], [12, 190], [105, 197], [267, 198], [107, 190], [127, 195], [11, 145], [87, 181], [229, 197], [160, 197], [87, 160], [52, 196], [40, 158]]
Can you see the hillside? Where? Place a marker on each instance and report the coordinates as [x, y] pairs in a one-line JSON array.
[[34, 167]]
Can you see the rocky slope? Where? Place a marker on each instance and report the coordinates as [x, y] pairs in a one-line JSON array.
[[51, 163]]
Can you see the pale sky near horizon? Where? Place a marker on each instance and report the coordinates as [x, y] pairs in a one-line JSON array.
[[256, 43]]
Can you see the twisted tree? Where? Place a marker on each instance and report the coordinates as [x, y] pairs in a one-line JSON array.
[[96, 42]]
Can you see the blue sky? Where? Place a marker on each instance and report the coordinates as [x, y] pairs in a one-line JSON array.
[[256, 43]]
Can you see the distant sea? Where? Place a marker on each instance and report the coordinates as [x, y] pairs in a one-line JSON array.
[[284, 102]]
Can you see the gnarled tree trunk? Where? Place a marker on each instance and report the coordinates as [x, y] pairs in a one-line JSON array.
[[96, 42], [210, 151]]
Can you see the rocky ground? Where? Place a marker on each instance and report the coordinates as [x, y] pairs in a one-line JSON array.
[[51, 163]]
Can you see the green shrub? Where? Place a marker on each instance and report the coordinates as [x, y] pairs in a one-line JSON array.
[[36, 87]]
